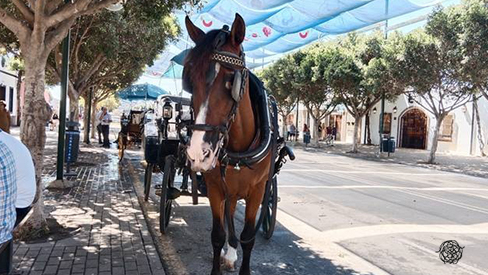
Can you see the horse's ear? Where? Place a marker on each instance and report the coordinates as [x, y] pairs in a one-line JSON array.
[[196, 34], [238, 30]]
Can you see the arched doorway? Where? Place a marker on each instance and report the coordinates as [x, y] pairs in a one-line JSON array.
[[414, 129]]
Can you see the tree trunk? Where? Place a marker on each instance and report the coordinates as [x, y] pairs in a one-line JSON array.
[[478, 125], [355, 138], [19, 85], [435, 139], [74, 103], [86, 123], [284, 126], [36, 113], [94, 113], [315, 131], [368, 129]]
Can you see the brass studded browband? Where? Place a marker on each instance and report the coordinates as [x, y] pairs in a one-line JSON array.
[[229, 59]]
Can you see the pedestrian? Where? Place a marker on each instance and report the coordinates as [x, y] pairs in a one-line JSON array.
[[25, 175], [8, 195], [4, 117], [306, 134], [98, 123], [293, 131], [54, 121], [105, 119], [288, 131]]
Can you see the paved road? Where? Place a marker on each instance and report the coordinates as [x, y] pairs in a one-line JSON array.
[[339, 215]]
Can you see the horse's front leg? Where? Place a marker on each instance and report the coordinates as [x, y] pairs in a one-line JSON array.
[[218, 232], [231, 256], [247, 236]]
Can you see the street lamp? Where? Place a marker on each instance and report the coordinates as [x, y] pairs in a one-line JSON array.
[[374, 110], [395, 110], [167, 111]]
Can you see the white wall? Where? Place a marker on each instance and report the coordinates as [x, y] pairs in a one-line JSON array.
[[8, 80], [461, 138]]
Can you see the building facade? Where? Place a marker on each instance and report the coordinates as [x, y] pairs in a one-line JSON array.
[[413, 127], [8, 88], [410, 125]]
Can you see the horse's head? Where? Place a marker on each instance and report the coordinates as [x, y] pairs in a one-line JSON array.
[[215, 74]]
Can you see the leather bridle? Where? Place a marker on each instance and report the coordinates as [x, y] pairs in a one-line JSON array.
[[233, 62]]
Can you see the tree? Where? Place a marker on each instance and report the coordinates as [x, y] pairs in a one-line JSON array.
[[36, 28], [361, 72], [473, 38], [278, 79], [103, 53], [315, 91], [474, 41], [433, 68]]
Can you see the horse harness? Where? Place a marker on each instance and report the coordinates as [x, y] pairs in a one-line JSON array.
[[241, 78]]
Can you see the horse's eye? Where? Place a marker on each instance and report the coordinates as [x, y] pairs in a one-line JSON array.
[[229, 80], [228, 85]]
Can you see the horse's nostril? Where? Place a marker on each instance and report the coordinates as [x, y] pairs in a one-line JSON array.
[[206, 153]]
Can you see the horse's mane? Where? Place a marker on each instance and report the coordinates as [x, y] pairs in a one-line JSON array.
[[198, 57]]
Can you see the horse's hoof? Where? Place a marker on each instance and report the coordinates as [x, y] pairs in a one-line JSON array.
[[228, 266]]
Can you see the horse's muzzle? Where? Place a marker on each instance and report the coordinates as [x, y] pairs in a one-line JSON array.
[[201, 158]]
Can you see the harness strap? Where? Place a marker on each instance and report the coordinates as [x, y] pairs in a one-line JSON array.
[[224, 162]]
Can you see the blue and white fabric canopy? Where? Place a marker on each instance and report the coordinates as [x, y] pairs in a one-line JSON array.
[[274, 27], [141, 92], [278, 26]]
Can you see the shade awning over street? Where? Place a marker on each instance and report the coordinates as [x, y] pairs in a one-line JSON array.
[[275, 27], [141, 92], [278, 26]]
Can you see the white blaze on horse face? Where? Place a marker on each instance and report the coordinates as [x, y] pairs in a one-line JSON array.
[[202, 157]]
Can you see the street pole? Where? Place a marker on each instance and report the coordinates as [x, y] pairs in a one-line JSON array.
[[382, 113], [296, 119], [62, 108], [87, 137]]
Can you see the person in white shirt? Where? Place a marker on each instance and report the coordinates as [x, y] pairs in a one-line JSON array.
[[25, 174], [105, 119]]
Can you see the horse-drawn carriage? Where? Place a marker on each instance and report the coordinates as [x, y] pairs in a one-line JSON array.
[[130, 131], [165, 140]]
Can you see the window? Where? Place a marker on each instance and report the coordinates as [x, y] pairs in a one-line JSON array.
[[3, 92], [447, 126], [11, 100], [387, 123]]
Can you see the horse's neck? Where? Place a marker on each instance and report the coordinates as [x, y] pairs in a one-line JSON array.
[[243, 129]]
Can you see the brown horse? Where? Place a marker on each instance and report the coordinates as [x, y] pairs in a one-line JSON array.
[[225, 121]]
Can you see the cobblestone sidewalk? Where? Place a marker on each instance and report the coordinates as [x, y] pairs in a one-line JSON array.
[[107, 233]]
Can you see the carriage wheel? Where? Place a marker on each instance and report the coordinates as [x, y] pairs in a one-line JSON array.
[[121, 146], [147, 180], [269, 220], [165, 204]]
